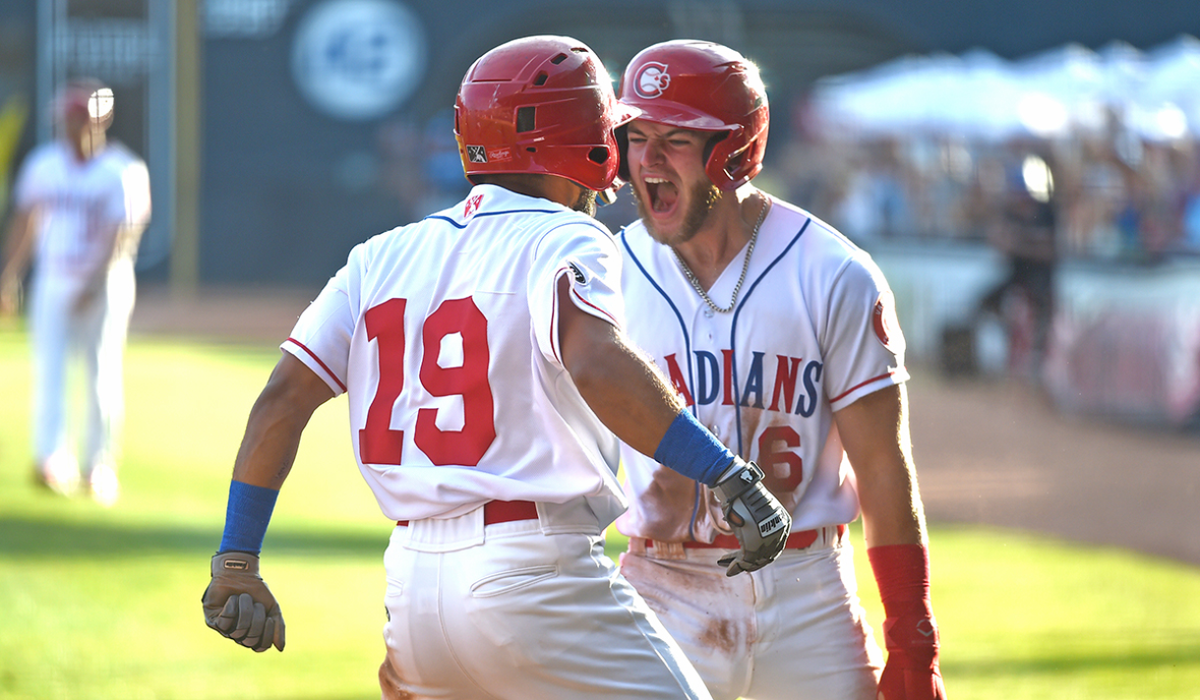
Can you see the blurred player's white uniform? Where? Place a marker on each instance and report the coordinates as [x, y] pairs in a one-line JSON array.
[[89, 216], [813, 331], [443, 335]]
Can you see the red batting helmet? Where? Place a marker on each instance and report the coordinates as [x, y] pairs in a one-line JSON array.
[[706, 87], [86, 98], [541, 104]]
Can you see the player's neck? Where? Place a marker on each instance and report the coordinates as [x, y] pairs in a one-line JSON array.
[[87, 145], [544, 186], [725, 232]]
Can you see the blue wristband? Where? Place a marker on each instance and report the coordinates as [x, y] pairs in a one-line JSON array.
[[693, 451], [246, 517]]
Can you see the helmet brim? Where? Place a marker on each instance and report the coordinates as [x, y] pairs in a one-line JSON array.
[[624, 113], [679, 115]]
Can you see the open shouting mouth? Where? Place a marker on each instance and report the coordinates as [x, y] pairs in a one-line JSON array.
[[663, 195]]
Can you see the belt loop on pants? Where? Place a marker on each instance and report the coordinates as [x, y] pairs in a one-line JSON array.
[[501, 512]]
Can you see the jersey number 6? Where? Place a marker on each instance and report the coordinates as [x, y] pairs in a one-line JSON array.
[[783, 469], [378, 443]]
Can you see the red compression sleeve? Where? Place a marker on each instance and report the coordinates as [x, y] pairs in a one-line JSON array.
[[902, 572]]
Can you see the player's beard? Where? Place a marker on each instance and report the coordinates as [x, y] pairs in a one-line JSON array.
[[704, 196], [586, 203]]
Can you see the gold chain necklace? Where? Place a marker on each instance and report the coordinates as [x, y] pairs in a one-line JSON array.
[[687, 271]]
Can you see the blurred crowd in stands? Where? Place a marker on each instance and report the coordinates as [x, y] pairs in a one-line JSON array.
[[936, 147], [1115, 196]]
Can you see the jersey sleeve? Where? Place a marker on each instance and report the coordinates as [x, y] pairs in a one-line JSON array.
[[135, 192], [863, 344], [321, 337], [587, 255], [25, 189]]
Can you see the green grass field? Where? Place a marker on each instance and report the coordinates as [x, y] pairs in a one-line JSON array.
[[98, 604]]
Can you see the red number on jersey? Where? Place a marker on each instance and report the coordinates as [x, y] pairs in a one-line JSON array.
[[378, 443], [782, 470], [469, 380]]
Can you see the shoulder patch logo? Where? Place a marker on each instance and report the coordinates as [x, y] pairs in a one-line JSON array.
[[472, 205], [887, 326], [652, 79], [477, 154]]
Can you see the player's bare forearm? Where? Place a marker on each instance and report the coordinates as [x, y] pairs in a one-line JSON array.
[[625, 391], [276, 423], [874, 432], [18, 247], [16, 239]]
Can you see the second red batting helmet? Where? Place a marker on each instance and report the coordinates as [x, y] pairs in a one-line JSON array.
[[542, 104], [706, 87]]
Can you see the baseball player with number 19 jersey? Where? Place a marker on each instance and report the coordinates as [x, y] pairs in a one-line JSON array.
[[432, 451], [781, 336]]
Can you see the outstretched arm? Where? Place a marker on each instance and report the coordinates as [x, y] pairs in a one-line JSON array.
[[625, 392], [635, 401], [237, 603], [279, 416]]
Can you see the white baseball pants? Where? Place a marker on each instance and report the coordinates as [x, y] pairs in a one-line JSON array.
[[96, 332], [506, 612], [793, 630]]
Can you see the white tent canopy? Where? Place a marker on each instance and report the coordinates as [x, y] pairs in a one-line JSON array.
[[980, 95]]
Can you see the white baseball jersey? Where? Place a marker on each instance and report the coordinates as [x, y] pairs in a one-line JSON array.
[[81, 204], [813, 330], [444, 335]]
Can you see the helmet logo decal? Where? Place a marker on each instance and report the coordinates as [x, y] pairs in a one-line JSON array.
[[477, 154], [499, 154], [652, 79]]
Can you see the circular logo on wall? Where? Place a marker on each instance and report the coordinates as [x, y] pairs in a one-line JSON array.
[[358, 59]]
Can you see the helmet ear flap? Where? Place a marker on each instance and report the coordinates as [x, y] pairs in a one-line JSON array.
[[622, 135], [712, 145], [737, 158]]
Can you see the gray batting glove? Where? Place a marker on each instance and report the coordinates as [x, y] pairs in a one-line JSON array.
[[759, 520], [238, 604]]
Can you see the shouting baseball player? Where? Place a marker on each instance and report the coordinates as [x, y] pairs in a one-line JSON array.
[[82, 203], [780, 335], [484, 359]]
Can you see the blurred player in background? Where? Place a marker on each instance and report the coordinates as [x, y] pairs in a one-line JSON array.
[[483, 356], [781, 337], [81, 203], [1025, 230]]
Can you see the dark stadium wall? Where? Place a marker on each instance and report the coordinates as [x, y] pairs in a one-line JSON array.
[[290, 182], [289, 188]]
